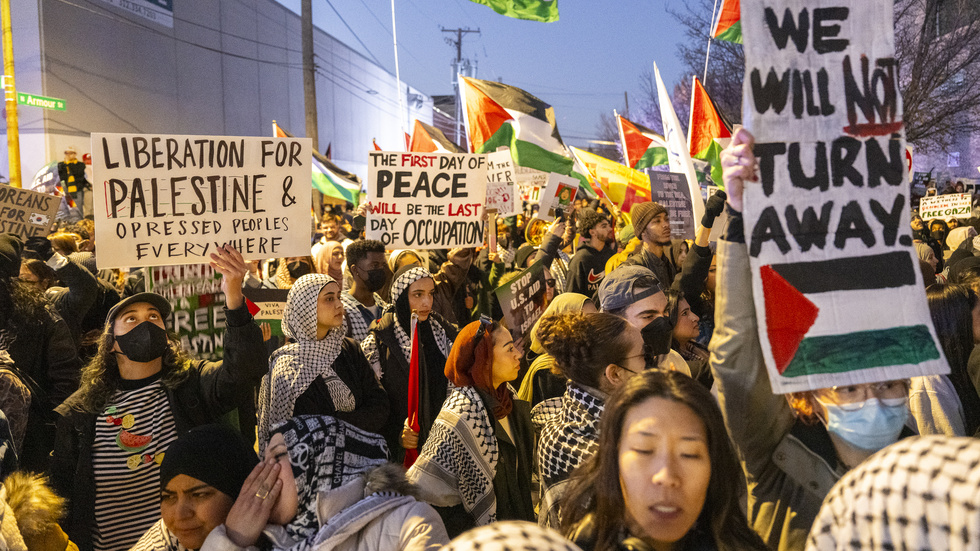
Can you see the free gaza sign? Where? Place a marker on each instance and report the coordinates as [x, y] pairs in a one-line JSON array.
[[956, 205]]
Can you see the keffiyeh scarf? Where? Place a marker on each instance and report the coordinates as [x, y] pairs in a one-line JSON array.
[[458, 462], [566, 442], [357, 326], [295, 366], [400, 285], [158, 538]]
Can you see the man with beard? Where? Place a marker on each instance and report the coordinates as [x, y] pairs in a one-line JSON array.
[[652, 225], [588, 266]]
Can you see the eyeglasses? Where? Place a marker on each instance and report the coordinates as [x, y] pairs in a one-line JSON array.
[[630, 358], [854, 396]]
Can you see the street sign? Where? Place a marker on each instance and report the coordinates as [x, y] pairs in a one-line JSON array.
[[40, 101]]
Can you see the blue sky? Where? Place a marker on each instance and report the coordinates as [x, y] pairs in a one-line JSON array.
[[581, 64]]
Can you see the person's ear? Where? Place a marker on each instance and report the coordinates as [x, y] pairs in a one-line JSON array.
[[615, 375]]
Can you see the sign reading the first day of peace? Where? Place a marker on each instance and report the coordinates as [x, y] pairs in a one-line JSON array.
[[836, 284], [426, 200], [165, 200]]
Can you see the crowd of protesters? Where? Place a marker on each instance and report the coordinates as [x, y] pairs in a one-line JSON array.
[[400, 411]]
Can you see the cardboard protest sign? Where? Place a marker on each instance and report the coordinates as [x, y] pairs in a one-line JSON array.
[[27, 213], [266, 306], [426, 200], [670, 189], [722, 219], [198, 318], [836, 283], [954, 205], [502, 193], [522, 300], [163, 200], [559, 193]]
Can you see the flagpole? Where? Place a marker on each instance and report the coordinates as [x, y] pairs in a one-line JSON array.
[[707, 53], [622, 138], [402, 115]]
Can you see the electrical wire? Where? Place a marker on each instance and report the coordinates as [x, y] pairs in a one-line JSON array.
[[359, 41]]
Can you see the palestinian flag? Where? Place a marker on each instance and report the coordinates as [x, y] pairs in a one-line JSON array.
[[728, 22], [621, 184], [498, 115], [708, 133], [642, 147], [678, 155], [328, 178], [427, 139], [532, 10]]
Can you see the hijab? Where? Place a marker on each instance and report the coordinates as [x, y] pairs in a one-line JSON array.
[[428, 332], [470, 363], [283, 279], [565, 302], [295, 366], [323, 257]]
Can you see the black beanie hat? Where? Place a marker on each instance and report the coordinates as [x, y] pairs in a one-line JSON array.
[[213, 454], [10, 249]]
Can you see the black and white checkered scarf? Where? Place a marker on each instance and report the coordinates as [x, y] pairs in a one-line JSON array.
[[566, 441], [357, 326], [295, 366], [511, 535]]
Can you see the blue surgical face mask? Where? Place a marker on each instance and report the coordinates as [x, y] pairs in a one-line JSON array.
[[872, 426]]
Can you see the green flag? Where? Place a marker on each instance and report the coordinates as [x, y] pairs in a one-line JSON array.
[[533, 10]]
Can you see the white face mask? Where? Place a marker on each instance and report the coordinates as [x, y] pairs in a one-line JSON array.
[[870, 425]]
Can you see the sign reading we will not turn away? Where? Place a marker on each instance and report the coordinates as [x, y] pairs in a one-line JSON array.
[[836, 284], [165, 200]]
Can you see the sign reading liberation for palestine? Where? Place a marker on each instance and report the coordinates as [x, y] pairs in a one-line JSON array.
[[164, 200], [426, 200], [837, 286]]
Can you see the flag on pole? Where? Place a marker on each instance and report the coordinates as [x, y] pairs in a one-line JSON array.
[[621, 184], [728, 22], [677, 149], [642, 147], [708, 132], [498, 115], [532, 10], [427, 139], [411, 455], [374, 142], [328, 178]]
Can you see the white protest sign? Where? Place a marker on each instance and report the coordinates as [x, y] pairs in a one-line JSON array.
[[559, 193], [166, 200], [836, 283], [27, 213], [426, 200], [502, 193], [955, 205]]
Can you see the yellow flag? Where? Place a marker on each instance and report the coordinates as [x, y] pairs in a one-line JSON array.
[[623, 185]]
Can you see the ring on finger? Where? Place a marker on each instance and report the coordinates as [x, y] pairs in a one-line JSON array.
[[263, 492]]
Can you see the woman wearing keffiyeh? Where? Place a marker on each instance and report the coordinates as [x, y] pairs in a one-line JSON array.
[[388, 348], [322, 373], [475, 467]]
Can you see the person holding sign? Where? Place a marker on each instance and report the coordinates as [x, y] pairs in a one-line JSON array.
[[793, 448], [388, 348], [137, 395], [322, 372], [475, 466]]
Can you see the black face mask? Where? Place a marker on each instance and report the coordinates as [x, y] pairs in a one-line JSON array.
[[298, 269], [375, 279], [144, 343], [657, 335]]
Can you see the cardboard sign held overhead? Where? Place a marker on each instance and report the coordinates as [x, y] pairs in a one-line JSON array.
[[523, 299], [558, 194], [502, 193], [836, 282], [670, 189], [27, 213], [426, 200], [954, 205], [164, 200]]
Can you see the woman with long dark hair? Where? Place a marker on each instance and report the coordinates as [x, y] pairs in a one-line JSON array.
[[686, 328], [665, 474]]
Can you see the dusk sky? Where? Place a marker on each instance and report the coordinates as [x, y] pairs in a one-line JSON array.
[[580, 64]]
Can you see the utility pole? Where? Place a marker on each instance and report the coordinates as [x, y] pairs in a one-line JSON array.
[[458, 42], [10, 95], [309, 87]]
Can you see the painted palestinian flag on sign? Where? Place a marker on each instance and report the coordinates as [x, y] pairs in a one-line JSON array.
[[642, 147], [427, 139], [728, 22], [328, 178], [708, 133], [498, 115], [621, 184], [532, 10]]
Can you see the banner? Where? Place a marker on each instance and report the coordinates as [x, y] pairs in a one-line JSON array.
[[164, 200], [502, 193], [670, 189], [426, 200], [198, 318], [836, 282], [955, 205], [27, 213], [522, 300], [557, 195], [266, 306]]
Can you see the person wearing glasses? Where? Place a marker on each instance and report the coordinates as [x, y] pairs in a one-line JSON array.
[[475, 466], [794, 448]]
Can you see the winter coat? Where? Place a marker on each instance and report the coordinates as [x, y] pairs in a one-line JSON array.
[[29, 515]]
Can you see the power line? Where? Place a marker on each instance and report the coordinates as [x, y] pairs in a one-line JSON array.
[[359, 41]]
